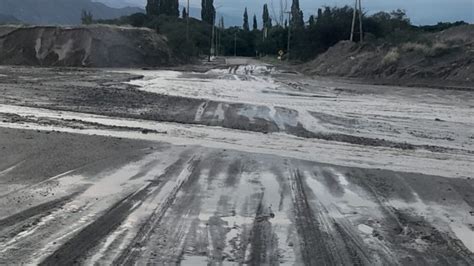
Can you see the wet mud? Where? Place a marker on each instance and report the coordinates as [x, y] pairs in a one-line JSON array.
[[96, 170]]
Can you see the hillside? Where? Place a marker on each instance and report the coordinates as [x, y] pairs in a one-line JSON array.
[[442, 58], [52, 12], [89, 46]]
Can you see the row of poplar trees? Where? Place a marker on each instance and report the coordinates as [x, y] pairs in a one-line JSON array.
[[267, 21], [171, 8], [297, 20], [208, 12]]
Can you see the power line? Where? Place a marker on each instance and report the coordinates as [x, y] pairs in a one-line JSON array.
[[187, 22], [289, 37]]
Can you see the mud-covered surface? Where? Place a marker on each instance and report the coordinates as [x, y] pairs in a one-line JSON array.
[[240, 164], [237, 98], [83, 46], [447, 62], [158, 203]]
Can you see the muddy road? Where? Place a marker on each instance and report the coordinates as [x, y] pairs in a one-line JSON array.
[[241, 163]]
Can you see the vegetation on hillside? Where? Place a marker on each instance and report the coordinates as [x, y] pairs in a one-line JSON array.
[[308, 37]]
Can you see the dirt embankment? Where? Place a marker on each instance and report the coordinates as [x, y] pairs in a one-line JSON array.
[[91, 46], [441, 59]]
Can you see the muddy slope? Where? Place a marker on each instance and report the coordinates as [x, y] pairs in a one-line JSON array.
[[448, 59], [91, 46]]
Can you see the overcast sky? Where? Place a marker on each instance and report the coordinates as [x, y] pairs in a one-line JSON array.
[[420, 11]]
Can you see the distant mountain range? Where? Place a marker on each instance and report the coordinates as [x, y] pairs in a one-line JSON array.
[[8, 19], [51, 12], [68, 12], [229, 18], [123, 3]]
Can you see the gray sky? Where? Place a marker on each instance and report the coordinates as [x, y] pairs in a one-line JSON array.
[[420, 11]]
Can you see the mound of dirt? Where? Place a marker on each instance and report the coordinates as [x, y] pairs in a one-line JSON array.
[[91, 46], [448, 58]]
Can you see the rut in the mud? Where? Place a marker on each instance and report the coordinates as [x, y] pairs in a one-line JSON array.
[[116, 99], [253, 209]]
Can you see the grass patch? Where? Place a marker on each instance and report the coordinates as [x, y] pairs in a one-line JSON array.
[[434, 50], [391, 57]]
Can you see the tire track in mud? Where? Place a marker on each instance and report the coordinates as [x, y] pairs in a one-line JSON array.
[[313, 245], [403, 227], [324, 240], [343, 235], [263, 241], [73, 250], [171, 235], [76, 249], [352, 244], [133, 251], [41, 209]]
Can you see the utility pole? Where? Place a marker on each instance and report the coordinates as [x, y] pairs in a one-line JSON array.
[[357, 9], [218, 36], [212, 48], [218, 30], [360, 21], [213, 33], [222, 27], [289, 37], [187, 22], [235, 43], [353, 21]]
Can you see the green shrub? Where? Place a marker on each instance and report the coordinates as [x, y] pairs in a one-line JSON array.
[[433, 50], [438, 49], [391, 57], [415, 47]]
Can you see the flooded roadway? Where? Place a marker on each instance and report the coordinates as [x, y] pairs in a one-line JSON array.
[[237, 165]]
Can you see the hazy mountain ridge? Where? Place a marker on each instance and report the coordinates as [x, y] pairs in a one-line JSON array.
[[230, 18], [123, 3], [4, 19], [46, 12]]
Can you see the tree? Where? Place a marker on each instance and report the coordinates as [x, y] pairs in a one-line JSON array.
[[174, 8], [86, 17], [221, 23], [169, 8], [326, 14], [164, 7], [320, 13], [267, 20], [296, 15], [221, 29], [311, 20], [208, 12], [255, 24], [184, 14], [138, 19], [399, 15], [246, 21], [153, 7]]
